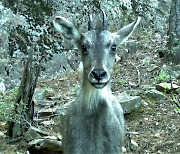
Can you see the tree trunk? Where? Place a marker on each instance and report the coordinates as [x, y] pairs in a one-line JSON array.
[[24, 106], [174, 31]]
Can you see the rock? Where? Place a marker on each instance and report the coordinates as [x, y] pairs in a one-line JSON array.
[[146, 61], [50, 137], [134, 92], [2, 87], [74, 59], [132, 47], [2, 135], [124, 149], [122, 55], [41, 94], [155, 95], [134, 145], [45, 103], [47, 146], [60, 111], [40, 131], [31, 134], [18, 54], [152, 67], [57, 66], [47, 123], [175, 74], [46, 112], [117, 58], [178, 91], [166, 87], [80, 68], [129, 103], [49, 92]]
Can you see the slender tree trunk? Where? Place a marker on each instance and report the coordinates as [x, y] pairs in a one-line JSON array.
[[24, 106], [174, 31]]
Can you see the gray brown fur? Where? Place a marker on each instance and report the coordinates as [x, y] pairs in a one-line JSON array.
[[100, 131], [94, 123]]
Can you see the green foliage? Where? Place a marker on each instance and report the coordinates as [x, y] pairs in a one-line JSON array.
[[7, 105], [5, 110], [122, 82], [48, 92], [162, 77], [178, 110]]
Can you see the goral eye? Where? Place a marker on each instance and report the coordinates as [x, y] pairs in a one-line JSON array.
[[113, 47], [83, 48]]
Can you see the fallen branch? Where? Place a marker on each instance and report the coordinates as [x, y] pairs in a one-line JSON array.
[[15, 140], [138, 75]]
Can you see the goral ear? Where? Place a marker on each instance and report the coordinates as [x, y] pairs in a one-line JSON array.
[[123, 34], [66, 28]]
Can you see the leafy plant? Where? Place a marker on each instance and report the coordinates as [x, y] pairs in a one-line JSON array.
[[122, 82], [6, 105], [162, 77]]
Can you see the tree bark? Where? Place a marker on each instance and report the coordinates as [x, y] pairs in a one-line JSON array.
[[24, 106], [173, 43]]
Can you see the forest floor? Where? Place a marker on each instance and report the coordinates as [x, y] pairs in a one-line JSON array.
[[155, 128]]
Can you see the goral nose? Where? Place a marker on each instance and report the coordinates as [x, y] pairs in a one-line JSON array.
[[98, 74]]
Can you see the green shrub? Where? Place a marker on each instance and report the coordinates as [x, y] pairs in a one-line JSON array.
[[7, 105], [162, 77]]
